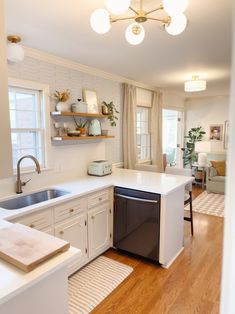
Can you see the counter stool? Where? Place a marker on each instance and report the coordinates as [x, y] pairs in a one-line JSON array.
[[188, 190]]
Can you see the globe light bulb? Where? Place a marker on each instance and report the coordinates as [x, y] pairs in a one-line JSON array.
[[177, 24], [100, 21], [135, 34], [117, 7], [173, 7]]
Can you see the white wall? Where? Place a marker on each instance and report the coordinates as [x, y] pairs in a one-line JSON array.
[[173, 100], [228, 276], [5, 148], [68, 161], [204, 111]]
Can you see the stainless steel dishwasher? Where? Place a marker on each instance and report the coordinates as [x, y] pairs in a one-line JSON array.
[[137, 222]]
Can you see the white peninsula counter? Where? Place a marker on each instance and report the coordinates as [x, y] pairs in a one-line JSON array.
[[43, 290], [13, 282]]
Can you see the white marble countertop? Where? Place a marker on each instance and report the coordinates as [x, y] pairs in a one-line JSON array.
[[14, 281], [153, 182]]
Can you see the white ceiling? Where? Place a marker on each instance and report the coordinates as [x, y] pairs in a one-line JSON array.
[[62, 28]]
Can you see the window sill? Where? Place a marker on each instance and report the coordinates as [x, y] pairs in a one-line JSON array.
[[145, 161]]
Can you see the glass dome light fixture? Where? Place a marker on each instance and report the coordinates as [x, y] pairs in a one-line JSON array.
[[117, 7], [195, 85], [15, 53], [135, 33], [100, 21], [177, 24], [175, 6], [174, 22]]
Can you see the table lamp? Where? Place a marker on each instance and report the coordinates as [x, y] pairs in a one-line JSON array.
[[205, 147]]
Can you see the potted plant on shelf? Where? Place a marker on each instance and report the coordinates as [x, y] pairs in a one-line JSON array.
[[109, 109], [81, 126], [61, 98], [189, 155]]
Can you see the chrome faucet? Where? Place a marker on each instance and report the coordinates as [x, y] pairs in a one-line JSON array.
[[19, 183]]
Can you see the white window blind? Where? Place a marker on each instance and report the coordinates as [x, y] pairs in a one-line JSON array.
[[144, 97], [27, 126]]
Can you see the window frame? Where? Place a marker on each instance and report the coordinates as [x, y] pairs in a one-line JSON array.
[[42, 90], [145, 160]]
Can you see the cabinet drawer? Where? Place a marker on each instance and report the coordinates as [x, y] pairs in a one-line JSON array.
[[39, 221], [98, 198], [70, 209]]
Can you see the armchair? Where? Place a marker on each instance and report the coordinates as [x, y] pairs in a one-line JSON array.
[[214, 183]]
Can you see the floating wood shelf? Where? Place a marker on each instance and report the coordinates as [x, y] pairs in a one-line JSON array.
[[79, 138], [70, 114]]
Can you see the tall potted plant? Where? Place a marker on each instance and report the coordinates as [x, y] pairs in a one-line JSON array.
[[189, 155]]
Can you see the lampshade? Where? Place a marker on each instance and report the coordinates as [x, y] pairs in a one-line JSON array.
[[195, 85], [177, 24], [15, 53], [100, 21], [135, 33], [175, 6], [117, 6]]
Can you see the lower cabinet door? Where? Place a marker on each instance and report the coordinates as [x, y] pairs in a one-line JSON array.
[[98, 230], [75, 232]]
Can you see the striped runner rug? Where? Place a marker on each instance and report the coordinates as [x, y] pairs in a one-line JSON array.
[[92, 284], [209, 203]]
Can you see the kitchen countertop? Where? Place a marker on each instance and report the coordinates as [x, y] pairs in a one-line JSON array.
[[13, 280], [153, 182]]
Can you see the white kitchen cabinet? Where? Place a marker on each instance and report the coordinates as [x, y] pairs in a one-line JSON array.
[[99, 229], [75, 232], [42, 220]]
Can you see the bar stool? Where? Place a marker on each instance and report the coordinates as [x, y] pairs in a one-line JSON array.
[[188, 190]]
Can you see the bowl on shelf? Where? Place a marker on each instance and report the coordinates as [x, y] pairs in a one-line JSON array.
[[74, 133]]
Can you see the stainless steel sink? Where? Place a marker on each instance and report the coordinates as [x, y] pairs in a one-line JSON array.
[[31, 199]]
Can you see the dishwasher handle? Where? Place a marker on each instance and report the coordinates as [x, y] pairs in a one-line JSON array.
[[136, 198]]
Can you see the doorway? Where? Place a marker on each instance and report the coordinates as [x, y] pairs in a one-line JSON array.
[[172, 136]]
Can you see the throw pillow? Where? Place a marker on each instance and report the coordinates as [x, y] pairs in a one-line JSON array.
[[220, 167]]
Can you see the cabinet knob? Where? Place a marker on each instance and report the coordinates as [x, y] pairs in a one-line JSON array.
[[100, 198], [32, 226], [61, 232], [71, 210], [93, 217]]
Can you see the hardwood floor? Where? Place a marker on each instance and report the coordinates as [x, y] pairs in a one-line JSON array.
[[191, 285]]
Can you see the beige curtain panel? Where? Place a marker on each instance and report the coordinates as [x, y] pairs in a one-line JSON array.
[[156, 131], [129, 127]]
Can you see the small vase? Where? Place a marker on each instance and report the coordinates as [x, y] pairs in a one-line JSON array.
[[62, 106], [82, 131]]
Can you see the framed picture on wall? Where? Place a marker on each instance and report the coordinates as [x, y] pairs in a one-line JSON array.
[[226, 130], [90, 97], [216, 132]]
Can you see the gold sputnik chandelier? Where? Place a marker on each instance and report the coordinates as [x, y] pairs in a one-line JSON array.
[[174, 23]]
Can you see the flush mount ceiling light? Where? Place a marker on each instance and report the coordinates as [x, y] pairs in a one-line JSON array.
[[15, 53], [174, 23], [195, 85]]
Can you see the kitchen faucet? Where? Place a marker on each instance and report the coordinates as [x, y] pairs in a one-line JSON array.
[[19, 183]]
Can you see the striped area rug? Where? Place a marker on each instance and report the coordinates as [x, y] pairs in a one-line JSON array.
[[91, 285], [209, 203]]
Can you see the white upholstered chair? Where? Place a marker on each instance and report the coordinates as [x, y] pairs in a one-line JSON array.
[[188, 189]]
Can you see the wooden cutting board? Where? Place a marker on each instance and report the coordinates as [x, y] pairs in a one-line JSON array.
[[26, 248]]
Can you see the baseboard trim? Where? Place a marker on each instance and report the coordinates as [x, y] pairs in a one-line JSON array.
[[167, 265]]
